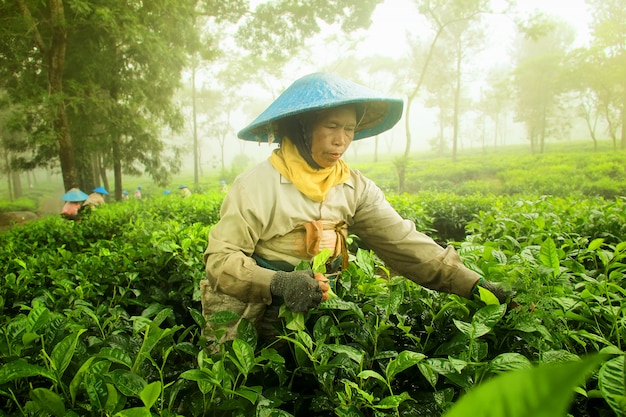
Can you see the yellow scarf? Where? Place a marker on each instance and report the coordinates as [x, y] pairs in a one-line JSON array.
[[314, 183]]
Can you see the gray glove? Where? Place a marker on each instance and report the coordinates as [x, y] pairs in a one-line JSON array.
[[501, 294], [300, 290]]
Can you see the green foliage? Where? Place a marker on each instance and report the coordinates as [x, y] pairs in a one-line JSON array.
[[101, 317], [21, 204], [544, 391], [574, 169]]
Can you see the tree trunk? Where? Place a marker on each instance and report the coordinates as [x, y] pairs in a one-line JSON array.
[[17, 184], [376, 149], [196, 156], [442, 132], [624, 121], [457, 99], [117, 167], [56, 62], [103, 173], [8, 172], [407, 128]]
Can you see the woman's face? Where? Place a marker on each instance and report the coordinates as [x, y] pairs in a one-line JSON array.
[[333, 131]]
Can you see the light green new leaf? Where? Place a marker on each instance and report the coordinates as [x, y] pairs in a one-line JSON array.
[[487, 296], [48, 401], [393, 401], [612, 383], [595, 244], [150, 394], [64, 351], [405, 360], [134, 412], [543, 391], [245, 356], [548, 256], [371, 374], [319, 261]]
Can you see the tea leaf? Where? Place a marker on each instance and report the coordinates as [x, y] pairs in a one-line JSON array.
[[405, 360], [20, 368], [245, 356], [543, 391], [116, 356], [371, 374], [78, 377], [393, 401], [352, 353], [129, 383], [97, 390], [64, 351], [48, 401], [549, 256], [509, 361], [150, 394], [612, 382], [487, 296]]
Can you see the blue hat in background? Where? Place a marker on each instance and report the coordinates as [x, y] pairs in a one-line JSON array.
[[74, 195], [320, 91], [166, 192], [100, 190], [124, 192], [181, 186], [222, 182]]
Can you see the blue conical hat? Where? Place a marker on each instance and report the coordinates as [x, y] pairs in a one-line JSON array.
[[100, 190], [321, 91], [74, 195]]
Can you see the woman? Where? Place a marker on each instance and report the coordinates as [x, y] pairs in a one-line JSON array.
[[73, 207], [96, 198], [305, 198]]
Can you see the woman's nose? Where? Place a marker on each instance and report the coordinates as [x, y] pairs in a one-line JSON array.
[[341, 137]]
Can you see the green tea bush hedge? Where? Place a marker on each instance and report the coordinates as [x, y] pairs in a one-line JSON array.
[[101, 317]]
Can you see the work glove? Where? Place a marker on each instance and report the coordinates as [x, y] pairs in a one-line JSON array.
[[501, 294], [300, 290]]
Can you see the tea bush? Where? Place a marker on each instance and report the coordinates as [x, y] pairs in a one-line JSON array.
[[101, 316]]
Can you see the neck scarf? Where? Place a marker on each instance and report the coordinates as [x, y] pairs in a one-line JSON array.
[[314, 183]]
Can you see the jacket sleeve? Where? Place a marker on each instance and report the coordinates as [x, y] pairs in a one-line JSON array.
[[413, 254], [229, 266]]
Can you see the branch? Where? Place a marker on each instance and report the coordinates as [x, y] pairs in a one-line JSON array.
[[29, 18]]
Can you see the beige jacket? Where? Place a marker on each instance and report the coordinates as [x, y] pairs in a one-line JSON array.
[[262, 207]]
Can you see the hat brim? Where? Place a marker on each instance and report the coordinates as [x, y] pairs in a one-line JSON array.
[[321, 91], [74, 196]]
